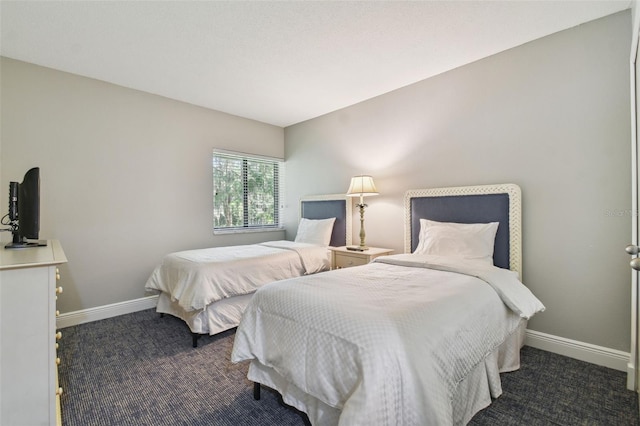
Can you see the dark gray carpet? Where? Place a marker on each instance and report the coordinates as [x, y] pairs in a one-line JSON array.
[[140, 369]]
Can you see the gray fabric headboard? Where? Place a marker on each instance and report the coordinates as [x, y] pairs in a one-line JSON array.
[[326, 206], [470, 204]]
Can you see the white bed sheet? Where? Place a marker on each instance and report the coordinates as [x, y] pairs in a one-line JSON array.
[[381, 344], [197, 278], [215, 318]]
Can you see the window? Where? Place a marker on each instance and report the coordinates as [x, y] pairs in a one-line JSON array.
[[246, 192]]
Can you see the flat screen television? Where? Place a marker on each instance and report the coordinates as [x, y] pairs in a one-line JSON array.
[[24, 211]]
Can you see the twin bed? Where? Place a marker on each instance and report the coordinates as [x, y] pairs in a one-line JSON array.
[[210, 288], [410, 339]]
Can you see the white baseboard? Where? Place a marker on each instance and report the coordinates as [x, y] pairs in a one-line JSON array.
[[599, 355], [611, 358], [102, 312]]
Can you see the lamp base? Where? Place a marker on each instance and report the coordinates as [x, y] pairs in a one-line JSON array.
[[357, 248]]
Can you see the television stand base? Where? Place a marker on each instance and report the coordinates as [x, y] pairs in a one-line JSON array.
[[26, 244]]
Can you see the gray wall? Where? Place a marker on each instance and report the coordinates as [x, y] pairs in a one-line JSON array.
[[126, 176], [552, 116]]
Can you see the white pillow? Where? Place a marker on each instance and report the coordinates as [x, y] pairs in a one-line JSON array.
[[472, 241], [315, 231]]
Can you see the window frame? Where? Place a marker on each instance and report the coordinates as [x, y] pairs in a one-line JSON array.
[[278, 192]]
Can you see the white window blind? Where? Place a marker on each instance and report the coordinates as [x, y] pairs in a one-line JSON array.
[[247, 191]]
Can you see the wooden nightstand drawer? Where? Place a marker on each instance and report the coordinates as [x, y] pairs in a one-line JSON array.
[[341, 257], [345, 261]]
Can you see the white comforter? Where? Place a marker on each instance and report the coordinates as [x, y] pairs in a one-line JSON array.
[[386, 343], [196, 278]]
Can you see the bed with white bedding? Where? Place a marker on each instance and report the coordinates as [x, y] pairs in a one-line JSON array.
[[411, 339], [210, 288]]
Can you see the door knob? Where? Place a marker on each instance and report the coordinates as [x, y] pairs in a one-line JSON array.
[[633, 249]]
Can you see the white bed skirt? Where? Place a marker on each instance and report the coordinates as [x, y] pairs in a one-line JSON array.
[[473, 393], [215, 318]]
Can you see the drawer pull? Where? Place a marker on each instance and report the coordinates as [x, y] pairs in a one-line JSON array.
[[57, 313], [59, 290], [59, 391], [59, 335], [58, 361]]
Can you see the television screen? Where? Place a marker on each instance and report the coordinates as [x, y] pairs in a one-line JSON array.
[[29, 204], [24, 210]]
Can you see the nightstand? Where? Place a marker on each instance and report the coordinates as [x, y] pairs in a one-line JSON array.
[[343, 258]]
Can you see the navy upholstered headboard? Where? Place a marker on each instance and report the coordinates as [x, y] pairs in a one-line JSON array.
[[326, 206], [470, 204]]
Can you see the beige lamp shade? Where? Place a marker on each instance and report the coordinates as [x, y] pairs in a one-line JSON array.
[[362, 186]]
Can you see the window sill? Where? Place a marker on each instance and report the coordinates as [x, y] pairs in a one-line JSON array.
[[245, 230]]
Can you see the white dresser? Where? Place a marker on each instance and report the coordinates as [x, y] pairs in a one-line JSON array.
[[29, 391]]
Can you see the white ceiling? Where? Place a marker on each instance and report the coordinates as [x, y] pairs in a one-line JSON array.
[[276, 62]]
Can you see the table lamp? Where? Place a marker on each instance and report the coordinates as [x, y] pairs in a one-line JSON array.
[[361, 186]]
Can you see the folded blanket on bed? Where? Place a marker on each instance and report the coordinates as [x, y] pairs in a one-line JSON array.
[[314, 258], [505, 282]]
